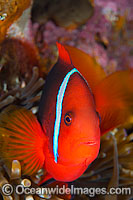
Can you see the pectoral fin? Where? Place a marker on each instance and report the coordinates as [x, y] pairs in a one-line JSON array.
[[21, 138]]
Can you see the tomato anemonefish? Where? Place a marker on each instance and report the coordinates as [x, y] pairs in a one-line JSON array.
[[65, 137], [68, 115]]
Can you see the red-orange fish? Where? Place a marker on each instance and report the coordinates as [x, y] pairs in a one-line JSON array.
[[65, 138]]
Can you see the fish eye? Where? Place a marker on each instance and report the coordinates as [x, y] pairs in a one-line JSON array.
[[68, 119]]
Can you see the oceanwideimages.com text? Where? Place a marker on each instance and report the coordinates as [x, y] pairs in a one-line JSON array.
[[8, 189]]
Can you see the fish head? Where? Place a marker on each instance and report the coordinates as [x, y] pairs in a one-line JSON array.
[[75, 131], [79, 134]]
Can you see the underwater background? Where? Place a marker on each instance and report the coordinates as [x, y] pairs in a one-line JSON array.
[[28, 35]]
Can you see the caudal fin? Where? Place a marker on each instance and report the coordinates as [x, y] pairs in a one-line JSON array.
[[21, 138]]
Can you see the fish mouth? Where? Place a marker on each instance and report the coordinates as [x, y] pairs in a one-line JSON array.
[[89, 143]]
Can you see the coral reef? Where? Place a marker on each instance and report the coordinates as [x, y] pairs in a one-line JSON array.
[[9, 12], [104, 32], [67, 13], [106, 36]]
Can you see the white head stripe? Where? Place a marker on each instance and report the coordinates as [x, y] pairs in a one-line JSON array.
[[59, 102]]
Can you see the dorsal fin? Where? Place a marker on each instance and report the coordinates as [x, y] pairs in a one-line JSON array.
[[63, 54], [87, 66], [114, 99]]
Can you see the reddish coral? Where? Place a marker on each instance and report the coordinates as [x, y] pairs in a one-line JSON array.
[[16, 61]]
